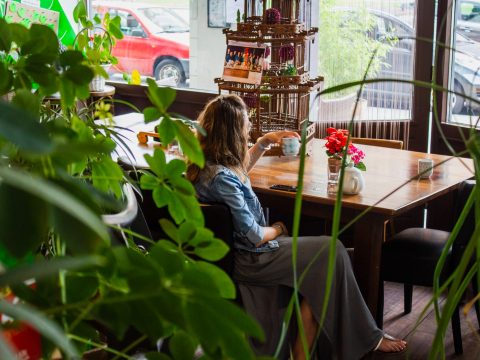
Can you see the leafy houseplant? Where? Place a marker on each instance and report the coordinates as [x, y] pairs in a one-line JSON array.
[[96, 40], [346, 55], [57, 179]]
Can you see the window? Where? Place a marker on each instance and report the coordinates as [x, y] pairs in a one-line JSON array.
[[464, 74], [355, 34]]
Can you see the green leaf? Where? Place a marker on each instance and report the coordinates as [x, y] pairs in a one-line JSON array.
[[190, 203], [170, 229], [149, 182], [41, 323], [176, 208], [23, 222], [80, 11], [151, 114], [79, 74], [175, 168], [162, 195], [23, 130], [67, 92], [182, 346], [212, 250], [80, 287], [222, 281], [19, 33], [6, 38], [186, 232], [117, 317], [183, 186], [24, 99], [107, 175], [157, 162], [161, 97], [43, 268], [361, 166], [217, 323], [114, 28], [70, 57], [6, 79], [166, 130], [189, 143], [97, 19], [43, 40], [171, 263], [54, 195]]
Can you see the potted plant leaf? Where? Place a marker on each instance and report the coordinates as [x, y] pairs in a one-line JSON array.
[[96, 40]]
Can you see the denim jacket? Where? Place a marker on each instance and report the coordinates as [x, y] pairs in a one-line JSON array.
[[247, 214]]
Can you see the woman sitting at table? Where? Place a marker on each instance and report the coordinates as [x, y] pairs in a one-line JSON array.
[[263, 253]]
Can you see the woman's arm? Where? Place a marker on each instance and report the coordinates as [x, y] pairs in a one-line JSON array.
[[272, 232], [263, 144]]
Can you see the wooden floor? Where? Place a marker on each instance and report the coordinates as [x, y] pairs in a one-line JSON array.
[[419, 341]]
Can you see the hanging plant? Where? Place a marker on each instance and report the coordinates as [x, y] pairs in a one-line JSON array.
[[290, 70], [286, 52], [273, 16]]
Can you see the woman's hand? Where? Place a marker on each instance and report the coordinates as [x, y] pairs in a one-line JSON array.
[[281, 228], [272, 232], [276, 137]]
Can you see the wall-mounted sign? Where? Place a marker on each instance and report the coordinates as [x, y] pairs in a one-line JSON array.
[[27, 15]]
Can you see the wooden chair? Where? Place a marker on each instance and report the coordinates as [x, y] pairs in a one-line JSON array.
[[393, 144]]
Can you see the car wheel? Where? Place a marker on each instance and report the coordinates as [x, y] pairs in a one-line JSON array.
[[170, 68], [457, 101]]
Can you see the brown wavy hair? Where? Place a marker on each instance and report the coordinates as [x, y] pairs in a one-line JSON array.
[[225, 121]]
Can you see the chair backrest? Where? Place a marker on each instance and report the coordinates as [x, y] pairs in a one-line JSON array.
[[217, 218], [393, 144], [130, 218], [468, 226]]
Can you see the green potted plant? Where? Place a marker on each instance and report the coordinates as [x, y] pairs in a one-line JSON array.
[[346, 55], [96, 40], [57, 180]]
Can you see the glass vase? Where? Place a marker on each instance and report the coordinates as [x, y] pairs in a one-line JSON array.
[[334, 167]]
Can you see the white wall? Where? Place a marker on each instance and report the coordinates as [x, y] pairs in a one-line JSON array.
[[207, 48]]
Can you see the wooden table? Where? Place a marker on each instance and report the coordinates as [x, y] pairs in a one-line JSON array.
[[387, 170], [128, 126]]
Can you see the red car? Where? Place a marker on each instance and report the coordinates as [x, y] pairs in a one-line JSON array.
[[156, 40]]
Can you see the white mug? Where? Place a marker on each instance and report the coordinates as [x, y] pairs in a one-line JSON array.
[[290, 146], [425, 168]]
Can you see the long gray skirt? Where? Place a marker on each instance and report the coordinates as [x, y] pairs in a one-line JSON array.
[[265, 281]]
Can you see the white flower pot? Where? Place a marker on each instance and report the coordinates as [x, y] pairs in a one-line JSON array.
[[98, 82]]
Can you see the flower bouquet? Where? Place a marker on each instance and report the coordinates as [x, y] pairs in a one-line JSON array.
[[337, 142]]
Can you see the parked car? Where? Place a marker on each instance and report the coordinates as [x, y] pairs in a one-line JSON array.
[[468, 18], [398, 65], [156, 39]]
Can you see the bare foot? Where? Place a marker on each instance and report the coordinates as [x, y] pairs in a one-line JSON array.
[[391, 345]]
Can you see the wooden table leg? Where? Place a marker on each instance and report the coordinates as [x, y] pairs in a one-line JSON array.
[[368, 239]]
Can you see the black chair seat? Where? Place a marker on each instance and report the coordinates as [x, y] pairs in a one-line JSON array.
[[412, 255]]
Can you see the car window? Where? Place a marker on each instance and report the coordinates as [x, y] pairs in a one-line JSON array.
[[164, 21], [469, 11], [475, 19], [130, 25]]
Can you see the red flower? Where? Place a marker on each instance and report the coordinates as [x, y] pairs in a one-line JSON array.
[[336, 141]]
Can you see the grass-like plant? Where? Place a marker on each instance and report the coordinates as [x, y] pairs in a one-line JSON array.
[[468, 266]]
